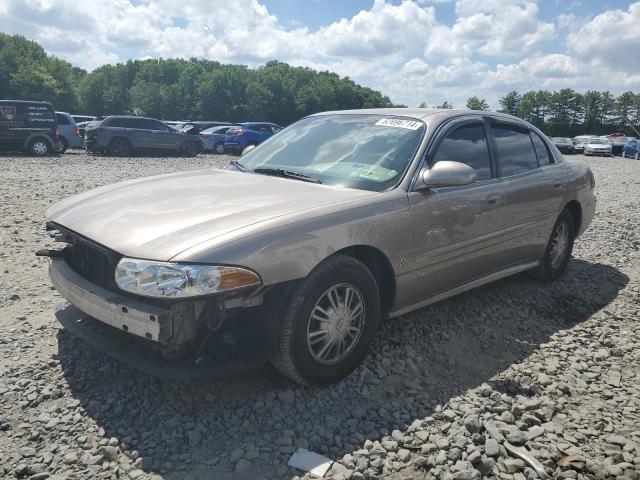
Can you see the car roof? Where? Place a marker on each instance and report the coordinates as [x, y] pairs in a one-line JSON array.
[[259, 123], [28, 101], [421, 113]]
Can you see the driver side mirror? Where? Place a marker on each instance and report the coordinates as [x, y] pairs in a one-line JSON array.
[[447, 174]]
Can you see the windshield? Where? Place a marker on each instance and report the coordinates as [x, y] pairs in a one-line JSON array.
[[367, 152], [596, 141]]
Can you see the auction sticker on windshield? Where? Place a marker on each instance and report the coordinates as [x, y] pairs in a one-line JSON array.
[[400, 123]]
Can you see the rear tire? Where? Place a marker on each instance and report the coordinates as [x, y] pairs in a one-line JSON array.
[[40, 147], [558, 251], [219, 148], [330, 322], [64, 144], [120, 147]]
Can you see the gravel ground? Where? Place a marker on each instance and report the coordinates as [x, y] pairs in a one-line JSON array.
[[446, 393]]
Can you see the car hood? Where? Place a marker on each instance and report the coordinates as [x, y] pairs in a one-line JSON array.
[[159, 217]]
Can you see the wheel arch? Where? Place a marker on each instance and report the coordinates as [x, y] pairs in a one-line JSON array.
[[35, 136], [575, 209], [380, 267]]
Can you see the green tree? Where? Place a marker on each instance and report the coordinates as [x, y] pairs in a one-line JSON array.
[[475, 103], [510, 103], [447, 105]]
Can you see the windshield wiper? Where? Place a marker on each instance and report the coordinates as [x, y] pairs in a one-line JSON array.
[[281, 172], [238, 165]]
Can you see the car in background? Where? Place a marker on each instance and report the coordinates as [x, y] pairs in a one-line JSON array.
[[618, 143], [580, 141], [598, 146], [631, 149], [564, 144], [200, 125], [122, 135], [213, 139], [28, 126], [68, 132], [83, 118], [248, 134]]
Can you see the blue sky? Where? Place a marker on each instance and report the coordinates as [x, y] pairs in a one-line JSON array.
[[412, 51]]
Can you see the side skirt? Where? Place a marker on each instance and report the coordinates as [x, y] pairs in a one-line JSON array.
[[467, 286]]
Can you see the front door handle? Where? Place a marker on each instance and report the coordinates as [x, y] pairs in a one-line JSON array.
[[494, 200]]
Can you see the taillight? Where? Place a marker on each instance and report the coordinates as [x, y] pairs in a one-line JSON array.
[[77, 130], [204, 137], [239, 132]]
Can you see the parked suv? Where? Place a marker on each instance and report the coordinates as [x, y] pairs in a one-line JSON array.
[[28, 126], [123, 135], [68, 132], [248, 134]]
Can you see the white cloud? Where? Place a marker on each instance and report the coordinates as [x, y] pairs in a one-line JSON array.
[[611, 39], [403, 49], [491, 28]]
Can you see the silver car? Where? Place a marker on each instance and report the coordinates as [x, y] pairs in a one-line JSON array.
[[598, 146], [298, 250]]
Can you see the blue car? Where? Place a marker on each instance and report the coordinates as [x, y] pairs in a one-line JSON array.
[[631, 149], [248, 134]]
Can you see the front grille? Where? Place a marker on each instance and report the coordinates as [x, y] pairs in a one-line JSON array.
[[92, 261]]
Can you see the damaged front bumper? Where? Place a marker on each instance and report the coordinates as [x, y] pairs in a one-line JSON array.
[[188, 339]]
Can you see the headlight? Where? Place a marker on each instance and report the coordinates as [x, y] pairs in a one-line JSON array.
[[167, 279]]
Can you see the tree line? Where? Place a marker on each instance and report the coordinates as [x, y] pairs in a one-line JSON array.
[[179, 89], [176, 89], [567, 113]]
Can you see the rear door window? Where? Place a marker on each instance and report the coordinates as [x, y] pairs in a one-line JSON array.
[[118, 122], [541, 150], [515, 149], [62, 120], [467, 144], [155, 125], [140, 123]]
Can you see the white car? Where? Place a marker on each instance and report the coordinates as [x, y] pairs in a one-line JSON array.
[[598, 146]]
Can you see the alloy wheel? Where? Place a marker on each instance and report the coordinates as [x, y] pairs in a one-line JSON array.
[[559, 244], [336, 324]]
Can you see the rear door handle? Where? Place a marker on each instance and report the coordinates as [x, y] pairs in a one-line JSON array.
[[494, 199]]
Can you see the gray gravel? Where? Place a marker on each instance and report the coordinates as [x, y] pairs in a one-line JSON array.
[[449, 391]]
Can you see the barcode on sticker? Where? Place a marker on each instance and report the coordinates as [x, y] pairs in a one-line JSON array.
[[400, 123]]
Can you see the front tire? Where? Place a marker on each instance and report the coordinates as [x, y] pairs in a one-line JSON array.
[[40, 147], [330, 322], [558, 251]]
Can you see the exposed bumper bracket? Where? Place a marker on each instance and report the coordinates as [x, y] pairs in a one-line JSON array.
[[132, 316]]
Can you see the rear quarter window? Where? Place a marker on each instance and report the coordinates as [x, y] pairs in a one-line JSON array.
[[542, 152]]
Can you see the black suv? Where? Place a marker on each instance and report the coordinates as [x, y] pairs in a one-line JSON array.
[[28, 126], [123, 135]]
